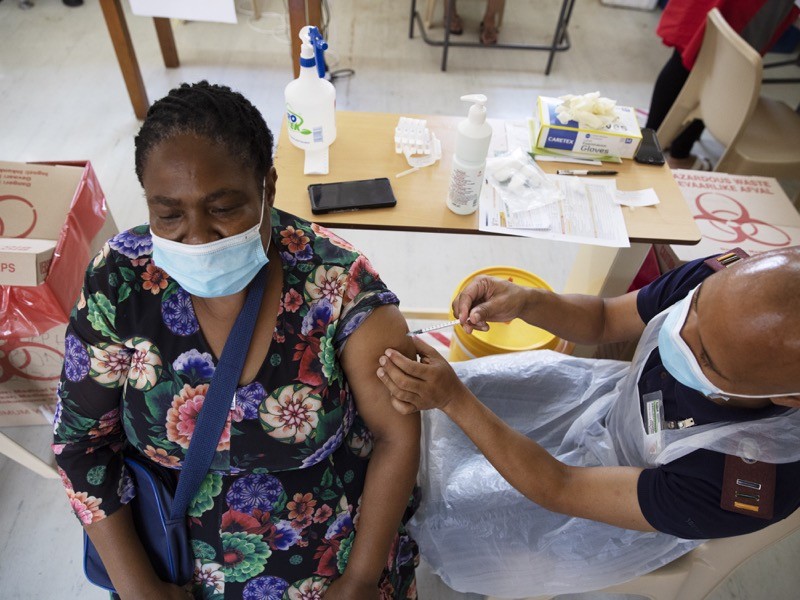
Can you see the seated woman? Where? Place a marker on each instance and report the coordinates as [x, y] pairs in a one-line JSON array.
[[312, 480]]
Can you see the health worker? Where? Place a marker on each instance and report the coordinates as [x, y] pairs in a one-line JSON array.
[[591, 472]]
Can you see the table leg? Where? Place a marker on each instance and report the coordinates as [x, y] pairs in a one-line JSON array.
[[19, 454], [561, 30], [123, 47], [605, 272], [448, 14], [302, 13], [167, 42]]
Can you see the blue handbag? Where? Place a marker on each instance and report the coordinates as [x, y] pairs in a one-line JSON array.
[[158, 508]]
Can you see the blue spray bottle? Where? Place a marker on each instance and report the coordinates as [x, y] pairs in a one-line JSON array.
[[310, 104]]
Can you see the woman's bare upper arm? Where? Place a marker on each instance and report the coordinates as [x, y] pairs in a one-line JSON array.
[[384, 328]]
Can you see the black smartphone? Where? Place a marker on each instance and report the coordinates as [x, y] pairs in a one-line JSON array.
[[649, 152], [351, 195]]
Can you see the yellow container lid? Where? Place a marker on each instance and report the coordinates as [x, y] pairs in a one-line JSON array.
[[514, 336]]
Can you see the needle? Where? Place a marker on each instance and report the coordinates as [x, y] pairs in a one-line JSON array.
[[434, 327]]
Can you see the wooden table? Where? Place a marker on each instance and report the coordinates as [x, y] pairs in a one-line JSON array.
[[364, 149], [301, 13]]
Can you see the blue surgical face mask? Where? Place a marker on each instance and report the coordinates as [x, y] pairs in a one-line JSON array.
[[219, 268], [679, 360]]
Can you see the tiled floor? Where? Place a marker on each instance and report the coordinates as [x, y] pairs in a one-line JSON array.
[[62, 97]]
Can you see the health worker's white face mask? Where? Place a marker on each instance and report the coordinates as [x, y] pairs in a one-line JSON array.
[[215, 269], [680, 361]]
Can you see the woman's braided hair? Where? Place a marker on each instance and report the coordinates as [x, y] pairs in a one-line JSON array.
[[211, 111]]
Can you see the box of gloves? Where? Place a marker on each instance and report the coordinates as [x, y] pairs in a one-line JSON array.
[[586, 125]]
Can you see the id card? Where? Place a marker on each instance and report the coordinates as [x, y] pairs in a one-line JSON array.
[[653, 408]]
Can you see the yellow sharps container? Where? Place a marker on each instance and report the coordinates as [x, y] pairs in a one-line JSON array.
[[514, 336]]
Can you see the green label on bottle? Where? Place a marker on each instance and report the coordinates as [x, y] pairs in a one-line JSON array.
[[295, 122]]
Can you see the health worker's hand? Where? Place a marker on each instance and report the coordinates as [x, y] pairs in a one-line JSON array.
[[346, 589], [429, 383], [488, 299]]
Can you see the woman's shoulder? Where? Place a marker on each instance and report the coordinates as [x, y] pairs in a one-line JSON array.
[[127, 258], [301, 241], [131, 247]]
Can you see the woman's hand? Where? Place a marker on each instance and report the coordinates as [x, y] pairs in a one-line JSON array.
[[345, 588], [429, 383], [488, 299]]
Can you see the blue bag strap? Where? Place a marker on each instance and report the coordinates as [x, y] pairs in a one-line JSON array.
[[216, 406]]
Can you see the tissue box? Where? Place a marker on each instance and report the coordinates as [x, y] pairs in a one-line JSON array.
[[752, 213], [620, 138]]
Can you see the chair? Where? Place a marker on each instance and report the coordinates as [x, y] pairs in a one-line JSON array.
[[560, 41], [761, 136], [696, 575]]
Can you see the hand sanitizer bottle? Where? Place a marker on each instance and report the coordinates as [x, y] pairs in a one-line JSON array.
[[469, 160], [311, 101]]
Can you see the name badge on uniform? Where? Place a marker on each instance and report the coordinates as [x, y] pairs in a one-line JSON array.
[[748, 488], [653, 406]]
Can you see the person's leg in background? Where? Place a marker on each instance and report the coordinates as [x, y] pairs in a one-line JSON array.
[[668, 85], [456, 24], [488, 29]]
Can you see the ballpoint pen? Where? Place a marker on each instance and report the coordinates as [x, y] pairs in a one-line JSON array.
[[434, 327], [584, 172]]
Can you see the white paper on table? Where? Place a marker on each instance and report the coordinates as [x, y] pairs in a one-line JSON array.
[[220, 11], [586, 215], [528, 219], [518, 135], [645, 197], [316, 162]]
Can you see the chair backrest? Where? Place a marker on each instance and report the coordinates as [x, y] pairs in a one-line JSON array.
[[723, 87], [731, 82], [705, 569]]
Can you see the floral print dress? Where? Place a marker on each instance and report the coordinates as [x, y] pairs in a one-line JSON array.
[[276, 516]]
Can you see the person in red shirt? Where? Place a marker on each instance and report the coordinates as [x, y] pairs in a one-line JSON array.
[[682, 25]]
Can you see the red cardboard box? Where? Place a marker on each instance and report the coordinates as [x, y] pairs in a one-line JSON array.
[[750, 212], [61, 203], [29, 372]]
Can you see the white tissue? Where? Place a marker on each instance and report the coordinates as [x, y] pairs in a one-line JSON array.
[[590, 110], [520, 182]]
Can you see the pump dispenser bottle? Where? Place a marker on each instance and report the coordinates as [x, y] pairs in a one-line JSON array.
[[310, 104], [469, 160]]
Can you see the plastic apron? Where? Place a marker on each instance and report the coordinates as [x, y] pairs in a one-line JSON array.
[[480, 535]]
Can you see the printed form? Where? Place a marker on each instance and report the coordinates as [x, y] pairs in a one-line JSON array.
[[586, 214]]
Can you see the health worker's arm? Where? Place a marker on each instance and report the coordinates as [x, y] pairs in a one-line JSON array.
[[606, 494], [574, 317], [393, 465]]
